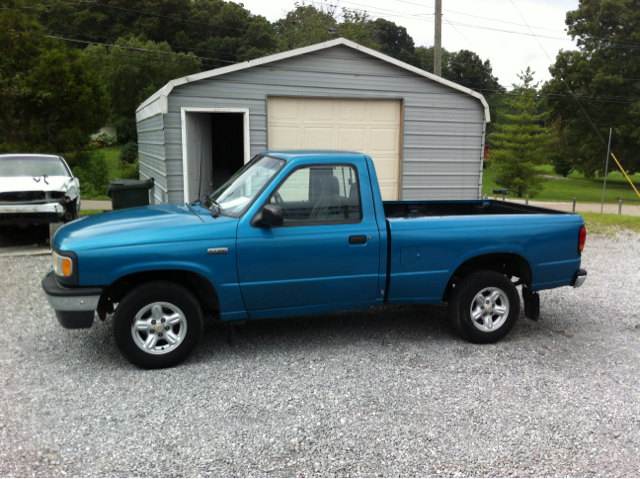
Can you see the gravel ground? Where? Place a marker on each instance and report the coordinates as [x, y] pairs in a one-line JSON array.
[[385, 393]]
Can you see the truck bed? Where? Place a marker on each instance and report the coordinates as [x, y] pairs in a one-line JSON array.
[[418, 209]]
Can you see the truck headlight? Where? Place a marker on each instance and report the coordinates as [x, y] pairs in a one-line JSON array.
[[62, 266]]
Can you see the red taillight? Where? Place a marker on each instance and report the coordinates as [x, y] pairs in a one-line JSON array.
[[583, 238]]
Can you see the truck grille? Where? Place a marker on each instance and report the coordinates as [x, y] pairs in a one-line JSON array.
[[22, 196]]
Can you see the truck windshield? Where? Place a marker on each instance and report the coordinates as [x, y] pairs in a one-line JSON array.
[[243, 187], [12, 166]]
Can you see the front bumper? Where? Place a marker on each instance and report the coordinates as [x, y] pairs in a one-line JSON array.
[[74, 307], [37, 208], [581, 277], [26, 214]]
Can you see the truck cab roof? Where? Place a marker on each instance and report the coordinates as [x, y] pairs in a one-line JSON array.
[[288, 155]]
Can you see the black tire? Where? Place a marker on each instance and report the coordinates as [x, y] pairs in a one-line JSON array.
[[72, 211], [140, 305], [466, 297]]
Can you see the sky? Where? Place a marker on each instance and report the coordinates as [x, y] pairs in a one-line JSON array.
[[494, 29]]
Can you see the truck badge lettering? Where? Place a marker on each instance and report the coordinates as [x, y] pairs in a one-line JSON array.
[[217, 250]]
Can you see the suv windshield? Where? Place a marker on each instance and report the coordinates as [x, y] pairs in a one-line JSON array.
[[12, 166], [240, 191]]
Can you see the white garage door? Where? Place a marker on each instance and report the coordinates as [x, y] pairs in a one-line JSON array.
[[367, 126]]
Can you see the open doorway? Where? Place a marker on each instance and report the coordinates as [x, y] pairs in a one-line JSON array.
[[215, 144], [228, 146]]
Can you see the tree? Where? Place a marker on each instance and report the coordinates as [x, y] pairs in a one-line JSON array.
[[50, 99], [132, 78], [559, 152], [224, 32], [395, 41], [111, 19], [426, 60], [602, 75], [310, 24], [464, 67], [357, 27], [305, 25], [520, 142]]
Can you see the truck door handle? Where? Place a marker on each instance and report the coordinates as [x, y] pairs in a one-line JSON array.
[[358, 239]]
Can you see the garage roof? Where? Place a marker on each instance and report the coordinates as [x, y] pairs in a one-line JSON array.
[[157, 103]]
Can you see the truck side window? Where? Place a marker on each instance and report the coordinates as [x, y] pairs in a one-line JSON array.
[[319, 194]]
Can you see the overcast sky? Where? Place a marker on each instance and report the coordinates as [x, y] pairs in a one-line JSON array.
[[509, 52]]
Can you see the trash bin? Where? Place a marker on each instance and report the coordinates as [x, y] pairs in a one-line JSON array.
[[129, 193]]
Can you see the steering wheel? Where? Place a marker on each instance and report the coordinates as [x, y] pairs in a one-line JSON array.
[[278, 199]]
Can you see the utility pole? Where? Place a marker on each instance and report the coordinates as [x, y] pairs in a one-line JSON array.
[[606, 170], [437, 44]]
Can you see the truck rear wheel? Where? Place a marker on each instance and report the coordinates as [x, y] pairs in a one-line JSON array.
[[157, 324], [484, 307]]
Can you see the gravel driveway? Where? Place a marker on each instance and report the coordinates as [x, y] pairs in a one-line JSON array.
[[385, 393]]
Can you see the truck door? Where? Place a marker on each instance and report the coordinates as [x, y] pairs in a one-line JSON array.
[[326, 251]]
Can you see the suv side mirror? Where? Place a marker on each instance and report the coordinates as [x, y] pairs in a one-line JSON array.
[[272, 215]]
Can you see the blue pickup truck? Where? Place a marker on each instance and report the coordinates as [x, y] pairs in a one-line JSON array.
[[298, 233]]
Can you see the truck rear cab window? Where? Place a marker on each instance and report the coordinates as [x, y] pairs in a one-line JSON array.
[[319, 194]]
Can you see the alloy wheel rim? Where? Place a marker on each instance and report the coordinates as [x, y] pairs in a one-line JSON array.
[[489, 309], [159, 328]]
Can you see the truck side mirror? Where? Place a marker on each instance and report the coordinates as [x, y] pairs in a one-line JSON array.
[[272, 215]]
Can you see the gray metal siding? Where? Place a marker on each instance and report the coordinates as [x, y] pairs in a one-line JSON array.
[[152, 155], [443, 129]]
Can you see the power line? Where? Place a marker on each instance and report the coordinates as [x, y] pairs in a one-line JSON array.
[[463, 36], [378, 9], [47, 6], [417, 17], [110, 45], [171, 18], [97, 3], [563, 80], [117, 38], [146, 58], [551, 95], [475, 16], [452, 24]]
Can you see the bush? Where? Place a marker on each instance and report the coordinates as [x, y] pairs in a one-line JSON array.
[[93, 172], [78, 158], [105, 139], [562, 166], [129, 153], [129, 171]]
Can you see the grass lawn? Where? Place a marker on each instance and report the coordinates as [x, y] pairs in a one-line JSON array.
[[576, 186], [597, 223], [91, 212], [112, 155]]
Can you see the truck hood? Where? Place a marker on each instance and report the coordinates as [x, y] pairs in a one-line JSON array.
[[169, 223], [28, 183]]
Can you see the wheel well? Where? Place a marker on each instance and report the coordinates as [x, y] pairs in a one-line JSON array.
[[200, 286], [509, 264]]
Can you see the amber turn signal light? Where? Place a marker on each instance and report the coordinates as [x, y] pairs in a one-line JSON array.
[[66, 267]]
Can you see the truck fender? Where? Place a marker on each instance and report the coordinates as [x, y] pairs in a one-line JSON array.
[[510, 262]]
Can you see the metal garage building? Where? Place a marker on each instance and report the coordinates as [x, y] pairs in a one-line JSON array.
[[424, 134]]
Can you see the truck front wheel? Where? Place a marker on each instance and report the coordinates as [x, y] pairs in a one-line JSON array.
[[157, 324], [484, 307]]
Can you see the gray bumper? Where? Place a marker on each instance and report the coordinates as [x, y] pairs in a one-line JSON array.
[[581, 277], [54, 207], [74, 307]]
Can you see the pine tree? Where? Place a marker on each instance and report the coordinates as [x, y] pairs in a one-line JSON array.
[[520, 141]]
